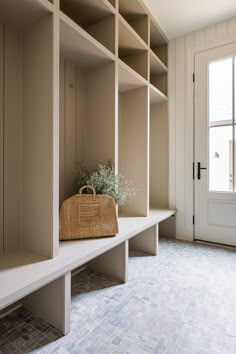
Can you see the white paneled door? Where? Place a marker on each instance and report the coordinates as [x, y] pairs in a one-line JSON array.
[[215, 147]]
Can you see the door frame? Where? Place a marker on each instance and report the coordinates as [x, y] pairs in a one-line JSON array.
[[190, 133]]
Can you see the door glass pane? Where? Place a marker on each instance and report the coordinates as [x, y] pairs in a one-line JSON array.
[[220, 90], [221, 159], [234, 174]]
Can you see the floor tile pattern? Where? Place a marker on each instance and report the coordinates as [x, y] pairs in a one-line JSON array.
[[181, 302]]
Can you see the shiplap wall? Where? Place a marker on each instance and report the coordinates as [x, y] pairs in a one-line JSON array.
[[181, 54]]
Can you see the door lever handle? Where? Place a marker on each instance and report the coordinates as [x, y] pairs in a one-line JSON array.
[[199, 168]]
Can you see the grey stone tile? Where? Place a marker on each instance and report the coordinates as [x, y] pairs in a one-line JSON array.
[[181, 302]]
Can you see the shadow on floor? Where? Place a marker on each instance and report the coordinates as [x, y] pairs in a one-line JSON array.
[[89, 281], [21, 332], [133, 253]]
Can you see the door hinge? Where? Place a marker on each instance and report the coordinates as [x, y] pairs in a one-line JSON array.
[[193, 77], [193, 170], [193, 219]]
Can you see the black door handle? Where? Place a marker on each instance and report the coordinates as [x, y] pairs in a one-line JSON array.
[[199, 168]]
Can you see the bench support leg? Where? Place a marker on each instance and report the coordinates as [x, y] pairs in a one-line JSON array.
[[146, 242], [113, 263], [52, 303]]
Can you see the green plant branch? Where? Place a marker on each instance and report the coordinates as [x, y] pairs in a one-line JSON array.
[[105, 181]]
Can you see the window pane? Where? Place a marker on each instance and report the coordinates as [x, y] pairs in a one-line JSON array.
[[234, 175], [221, 159], [220, 90]]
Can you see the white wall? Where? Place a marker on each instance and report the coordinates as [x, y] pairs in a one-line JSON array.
[[181, 68]]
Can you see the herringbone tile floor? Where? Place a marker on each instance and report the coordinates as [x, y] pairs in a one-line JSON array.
[[181, 302]]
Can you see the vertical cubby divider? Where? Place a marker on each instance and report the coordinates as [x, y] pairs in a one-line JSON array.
[[1, 139], [56, 130], [37, 170], [14, 79]]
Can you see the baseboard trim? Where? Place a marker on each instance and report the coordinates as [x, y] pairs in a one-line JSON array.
[[216, 244]]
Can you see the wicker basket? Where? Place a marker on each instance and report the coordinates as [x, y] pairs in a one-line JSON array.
[[88, 216]]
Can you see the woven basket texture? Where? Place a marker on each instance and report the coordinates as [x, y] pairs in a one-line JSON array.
[[85, 216]]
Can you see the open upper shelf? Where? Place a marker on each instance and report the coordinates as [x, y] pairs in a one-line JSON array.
[[113, 3], [135, 14], [162, 53], [129, 41], [87, 13], [80, 46], [157, 37], [128, 78], [160, 82], [156, 96], [132, 49], [132, 9], [25, 12], [96, 17], [156, 65]]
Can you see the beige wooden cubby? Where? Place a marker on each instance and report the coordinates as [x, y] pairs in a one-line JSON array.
[[28, 128], [135, 13], [87, 104], [96, 17], [82, 81], [132, 49], [133, 147]]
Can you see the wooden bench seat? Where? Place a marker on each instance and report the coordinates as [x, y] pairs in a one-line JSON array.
[[44, 284]]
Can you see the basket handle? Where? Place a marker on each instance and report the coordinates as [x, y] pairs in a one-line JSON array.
[[87, 186]]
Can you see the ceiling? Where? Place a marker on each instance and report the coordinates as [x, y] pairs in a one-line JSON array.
[[177, 17]]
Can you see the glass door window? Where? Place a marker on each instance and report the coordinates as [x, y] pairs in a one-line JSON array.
[[221, 125]]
